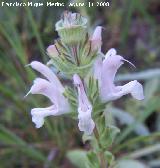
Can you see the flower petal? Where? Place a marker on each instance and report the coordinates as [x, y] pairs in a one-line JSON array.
[[86, 123], [83, 101], [97, 69], [109, 69], [134, 88], [42, 86], [96, 39], [44, 70], [111, 52], [38, 114]]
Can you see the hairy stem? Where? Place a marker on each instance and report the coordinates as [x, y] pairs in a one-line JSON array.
[[102, 160]]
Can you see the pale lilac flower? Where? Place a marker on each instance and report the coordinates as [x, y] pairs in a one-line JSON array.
[[97, 69], [86, 123], [108, 68], [51, 88], [96, 43], [96, 39]]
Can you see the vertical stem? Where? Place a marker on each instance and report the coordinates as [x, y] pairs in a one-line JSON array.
[[102, 159], [100, 155]]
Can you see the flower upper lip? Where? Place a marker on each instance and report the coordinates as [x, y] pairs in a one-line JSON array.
[[107, 70]]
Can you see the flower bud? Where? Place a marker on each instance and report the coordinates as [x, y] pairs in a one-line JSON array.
[[96, 39], [72, 28], [52, 51]]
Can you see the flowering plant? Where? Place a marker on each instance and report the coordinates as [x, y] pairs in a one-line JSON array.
[[78, 56]]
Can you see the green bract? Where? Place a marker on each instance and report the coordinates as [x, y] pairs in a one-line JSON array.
[[74, 59]]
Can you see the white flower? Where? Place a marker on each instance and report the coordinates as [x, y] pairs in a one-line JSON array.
[[86, 123], [108, 69], [51, 88]]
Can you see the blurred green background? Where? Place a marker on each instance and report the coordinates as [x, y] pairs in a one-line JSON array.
[[133, 28]]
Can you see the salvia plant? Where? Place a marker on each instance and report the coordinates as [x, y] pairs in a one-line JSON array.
[[78, 56]]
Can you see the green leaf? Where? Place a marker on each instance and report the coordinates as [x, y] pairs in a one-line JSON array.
[[129, 164], [78, 158], [93, 161], [140, 139], [98, 108], [83, 159], [71, 96], [93, 89], [143, 75], [107, 133], [33, 153], [93, 141], [144, 151], [9, 138], [109, 157], [36, 31], [152, 105]]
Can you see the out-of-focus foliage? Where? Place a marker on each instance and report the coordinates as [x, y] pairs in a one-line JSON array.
[[131, 26]]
